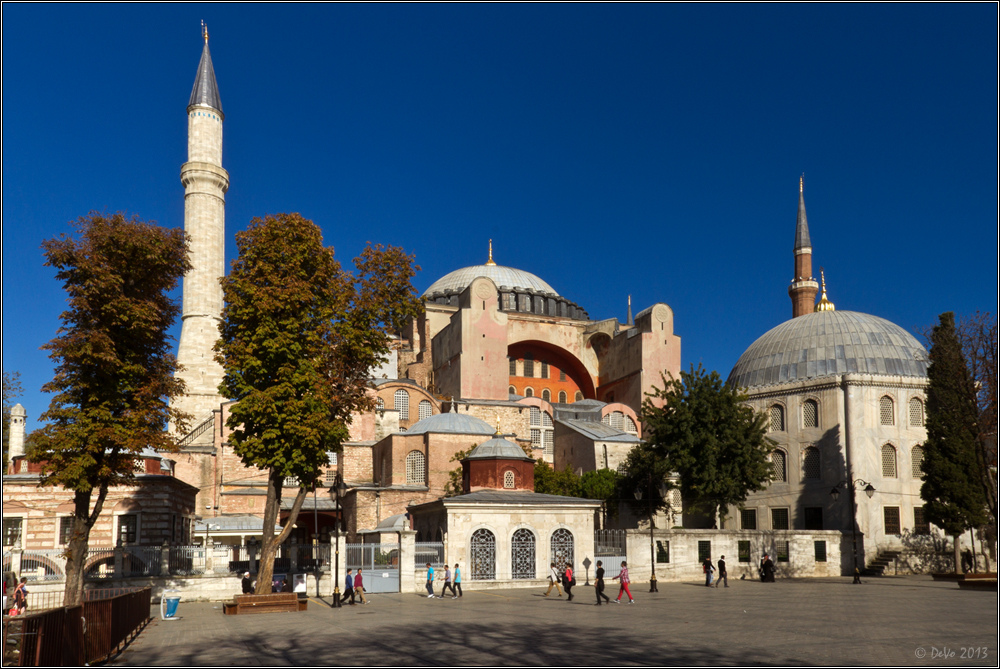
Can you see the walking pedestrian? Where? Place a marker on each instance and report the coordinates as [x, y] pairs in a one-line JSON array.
[[553, 580], [447, 583], [623, 579], [568, 582], [767, 569], [359, 587], [599, 584], [723, 575], [20, 598], [458, 581], [707, 567], [430, 581], [348, 588], [247, 583]]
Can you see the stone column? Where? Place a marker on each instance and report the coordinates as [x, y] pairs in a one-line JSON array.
[[407, 561]]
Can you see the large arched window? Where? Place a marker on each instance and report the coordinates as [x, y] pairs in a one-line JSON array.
[[424, 409], [401, 403], [917, 462], [522, 554], [886, 411], [778, 472], [483, 555], [810, 462], [415, 468], [776, 422], [561, 547], [810, 413], [619, 421], [888, 461], [916, 413]]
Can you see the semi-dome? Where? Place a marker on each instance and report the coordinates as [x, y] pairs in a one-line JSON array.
[[459, 280], [453, 423], [829, 343]]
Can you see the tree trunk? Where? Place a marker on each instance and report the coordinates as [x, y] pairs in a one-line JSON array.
[[958, 554], [268, 540], [79, 543]]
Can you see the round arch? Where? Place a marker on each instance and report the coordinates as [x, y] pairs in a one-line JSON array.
[[564, 359]]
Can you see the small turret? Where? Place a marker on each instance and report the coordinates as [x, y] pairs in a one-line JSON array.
[[803, 288]]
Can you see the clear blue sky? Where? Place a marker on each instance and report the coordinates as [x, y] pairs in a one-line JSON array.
[[651, 149]]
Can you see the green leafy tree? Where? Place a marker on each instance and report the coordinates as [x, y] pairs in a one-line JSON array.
[[599, 484], [454, 486], [952, 489], [11, 391], [115, 366], [645, 470], [299, 338], [549, 481], [703, 429]]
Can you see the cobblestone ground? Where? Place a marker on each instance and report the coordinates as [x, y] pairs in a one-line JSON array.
[[889, 621]]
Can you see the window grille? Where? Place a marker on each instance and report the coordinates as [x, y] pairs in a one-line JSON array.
[[781, 549], [522, 554], [535, 416], [777, 465], [777, 422], [813, 516], [743, 550], [917, 462], [675, 499], [529, 392], [885, 410], [513, 366], [545, 370], [546, 395], [415, 468], [662, 552], [127, 529], [561, 547], [483, 555], [810, 414], [920, 523], [630, 426], [424, 409], [810, 462], [562, 397], [65, 530], [916, 413], [819, 551], [330, 477], [529, 365], [891, 515], [536, 438], [562, 374], [509, 302], [401, 403], [779, 519], [888, 461], [704, 550], [546, 420], [508, 479], [622, 469], [379, 403], [549, 443], [748, 519]]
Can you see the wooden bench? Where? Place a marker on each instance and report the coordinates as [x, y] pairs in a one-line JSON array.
[[277, 602]]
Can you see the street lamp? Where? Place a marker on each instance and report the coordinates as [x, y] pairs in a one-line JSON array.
[[338, 490], [638, 492], [835, 494]]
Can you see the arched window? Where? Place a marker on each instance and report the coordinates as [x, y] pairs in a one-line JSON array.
[[888, 461], [529, 365], [512, 390], [579, 397], [401, 403], [630, 426], [777, 418], [529, 392], [562, 397], [424, 409], [379, 403], [778, 465], [810, 462], [916, 413], [546, 395], [522, 554], [886, 411], [415, 468], [917, 462], [810, 413], [561, 547], [483, 555], [508, 479]]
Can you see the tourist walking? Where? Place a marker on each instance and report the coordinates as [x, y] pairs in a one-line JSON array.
[[359, 587], [458, 581], [430, 581], [447, 583], [568, 582], [723, 575], [767, 570], [348, 588], [623, 579], [20, 598], [599, 584], [247, 583], [707, 567], [553, 579]]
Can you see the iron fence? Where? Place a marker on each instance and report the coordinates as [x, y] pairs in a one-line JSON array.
[[43, 565], [186, 560], [610, 543], [429, 551]]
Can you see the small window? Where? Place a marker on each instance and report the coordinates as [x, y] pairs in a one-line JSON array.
[[917, 462], [778, 465], [781, 549], [545, 370], [743, 550], [424, 409], [562, 397], [704, 550], [886, 411], [12, 532], [508, 479], [813, 517], [777, 418], [401, 403], [529, 365], [536, 438], [562, 374], [779, 519], [920, 524], [513, 366], [630, 426], [819, 551], [579, 397], [748, 519], [810, 462], [547, 438], [415, 468], [65, 530], [512, 390], [916, 413], [662, 551], [529, 392], [891, 515], [379, 403], [127, 529], [546, 395], [888, 461], [810, 414]]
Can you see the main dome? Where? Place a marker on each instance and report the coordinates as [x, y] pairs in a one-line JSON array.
[[829, 343], [459, 280]]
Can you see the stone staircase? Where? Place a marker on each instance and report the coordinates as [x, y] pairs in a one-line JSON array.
[[877, 566]]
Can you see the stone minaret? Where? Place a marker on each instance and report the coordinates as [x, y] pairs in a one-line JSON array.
[[15, 447], [205, 185], [804, 287]]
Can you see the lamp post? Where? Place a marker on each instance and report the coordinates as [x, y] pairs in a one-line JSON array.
[[835, 494], [315, 541], [663, 488], [338, 490]]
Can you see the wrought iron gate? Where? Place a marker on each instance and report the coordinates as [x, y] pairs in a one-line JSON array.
[[379, 565]]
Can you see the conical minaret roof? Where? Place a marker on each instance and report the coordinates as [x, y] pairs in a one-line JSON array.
[[801, 224], [205, 91]]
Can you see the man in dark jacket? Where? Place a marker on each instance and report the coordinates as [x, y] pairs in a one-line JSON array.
[[723, 576], [767, 569], [247, 584]]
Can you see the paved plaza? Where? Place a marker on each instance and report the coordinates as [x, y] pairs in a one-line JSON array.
[[887, 621]]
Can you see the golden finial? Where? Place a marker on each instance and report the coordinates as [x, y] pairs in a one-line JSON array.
[[204, 31], [824, 304], [498, 425], [489, 261], [801, 178]]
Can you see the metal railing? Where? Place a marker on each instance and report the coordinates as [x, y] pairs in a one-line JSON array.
[[429, 551], [186, 560], [609, 543]]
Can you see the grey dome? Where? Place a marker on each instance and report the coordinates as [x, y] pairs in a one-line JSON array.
[[460, 279], [829, 343], [455, 423], [497, 448]]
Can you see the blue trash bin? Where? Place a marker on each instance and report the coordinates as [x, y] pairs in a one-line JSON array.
[[169, 603]]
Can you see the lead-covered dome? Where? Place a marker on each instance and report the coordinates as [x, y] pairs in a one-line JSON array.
[[451, 423], [829, 343], [459, 280]]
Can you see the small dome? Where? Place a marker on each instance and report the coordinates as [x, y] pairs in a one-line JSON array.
[[460, 279], [829, 343], [497, 448], [454, 423]]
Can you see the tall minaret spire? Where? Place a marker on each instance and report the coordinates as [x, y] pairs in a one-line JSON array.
[[804, 287], [205, 184]]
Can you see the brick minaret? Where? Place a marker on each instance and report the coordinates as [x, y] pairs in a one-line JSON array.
[[804, 287], [205, 185]]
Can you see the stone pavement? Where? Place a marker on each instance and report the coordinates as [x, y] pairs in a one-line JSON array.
[[909, 620]]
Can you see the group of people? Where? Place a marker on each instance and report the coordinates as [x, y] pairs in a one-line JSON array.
[[454, 585], [565, 576], [354, 587], [709, 570]]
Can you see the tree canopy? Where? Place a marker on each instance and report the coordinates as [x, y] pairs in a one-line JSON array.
[[703, 429], [299, 339], [114, 364]]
